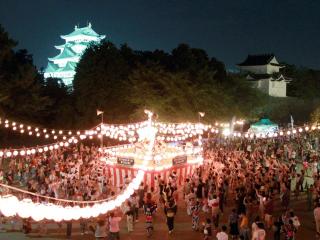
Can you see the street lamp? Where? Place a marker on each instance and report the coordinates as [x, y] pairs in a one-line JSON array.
[[99, 112]]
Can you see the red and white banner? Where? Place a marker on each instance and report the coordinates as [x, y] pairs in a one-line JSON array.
[[117, 174]]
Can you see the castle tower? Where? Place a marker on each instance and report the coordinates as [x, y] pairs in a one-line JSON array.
[[263, 71], [64, 64]]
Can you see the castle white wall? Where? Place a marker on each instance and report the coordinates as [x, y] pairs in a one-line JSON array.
[[261, 69], [278, 88]]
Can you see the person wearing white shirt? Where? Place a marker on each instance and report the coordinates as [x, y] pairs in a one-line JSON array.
[[222, 235], [259, 233]]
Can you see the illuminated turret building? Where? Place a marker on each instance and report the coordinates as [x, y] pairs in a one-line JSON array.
[[64, 64], [263, 72]]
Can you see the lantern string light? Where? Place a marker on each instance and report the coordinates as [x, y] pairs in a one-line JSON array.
[[285, 132], [35, 131], [166, 132], [10, 205], [13, 152]]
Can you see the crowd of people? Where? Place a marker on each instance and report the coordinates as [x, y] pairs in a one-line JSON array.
[[251, 181], [73, 173]]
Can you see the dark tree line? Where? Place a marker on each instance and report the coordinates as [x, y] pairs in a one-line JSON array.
[[122, 82], [176, 85]]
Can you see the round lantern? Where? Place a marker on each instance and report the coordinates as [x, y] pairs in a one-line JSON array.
[[38, 214], [49, 210], [25, 208], [57, 213], [9, 205], [96, 210], [67, 215], [86, 212], [76, 213]]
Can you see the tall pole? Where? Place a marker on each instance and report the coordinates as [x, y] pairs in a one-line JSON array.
[[200, 115], [101, 130], [199, 137]]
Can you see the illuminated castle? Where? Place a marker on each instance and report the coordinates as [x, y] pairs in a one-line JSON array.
[[63, 65]]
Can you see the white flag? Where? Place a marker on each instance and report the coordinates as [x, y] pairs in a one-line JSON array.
[[292, 121], [99, 112], [201, 114]]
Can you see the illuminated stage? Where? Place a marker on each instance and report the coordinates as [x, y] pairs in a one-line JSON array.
[[166, 158]]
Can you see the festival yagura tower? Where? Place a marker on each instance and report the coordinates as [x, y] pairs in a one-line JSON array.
[[64, 64]]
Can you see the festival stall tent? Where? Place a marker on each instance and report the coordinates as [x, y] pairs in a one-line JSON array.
[[264, 126]]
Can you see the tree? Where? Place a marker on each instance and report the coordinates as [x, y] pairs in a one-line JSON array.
[[167, 94], [315, 116], [100, 83], [20, 92], [305, 82]]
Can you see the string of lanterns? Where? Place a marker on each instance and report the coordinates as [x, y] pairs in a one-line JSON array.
[[39, 131], [10, 205], [7, 153], [122, 132], [182, 131], [119, 151], [280, 133], [169, 132]]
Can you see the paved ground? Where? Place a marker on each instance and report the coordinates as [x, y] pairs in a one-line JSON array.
[[182, 227]]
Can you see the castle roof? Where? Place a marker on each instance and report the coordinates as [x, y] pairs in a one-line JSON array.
[[51, 67], [70, 66], [272, 77], [255, 60], [70, 44], [87, 31], [66, 53]]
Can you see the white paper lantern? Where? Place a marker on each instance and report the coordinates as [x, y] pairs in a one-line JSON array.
[[9, 205], [86, 212], [76, 213], [67, 214], [96, 210], [37, 213], [57, 213], [25, 208]]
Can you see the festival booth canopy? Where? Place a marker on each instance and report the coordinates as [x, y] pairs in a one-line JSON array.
[[264, 126]]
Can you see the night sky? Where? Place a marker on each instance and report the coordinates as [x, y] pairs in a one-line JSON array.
[[226, 29]]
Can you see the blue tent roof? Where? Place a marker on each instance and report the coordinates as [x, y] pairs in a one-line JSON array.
[[264, 122]]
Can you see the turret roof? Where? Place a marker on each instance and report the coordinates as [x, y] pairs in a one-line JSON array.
[[255, 60], [60, 46], [71, 44], [51, 67], [88, 31], [66, 53], [70, 66], [272, 77]]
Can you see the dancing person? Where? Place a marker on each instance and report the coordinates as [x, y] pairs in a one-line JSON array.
[[170, 211], [114, 229], [222, 235], [101, 229], [195, 211], [233, 223]]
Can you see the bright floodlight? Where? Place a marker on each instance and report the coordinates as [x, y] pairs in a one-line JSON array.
[[226, 132]]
